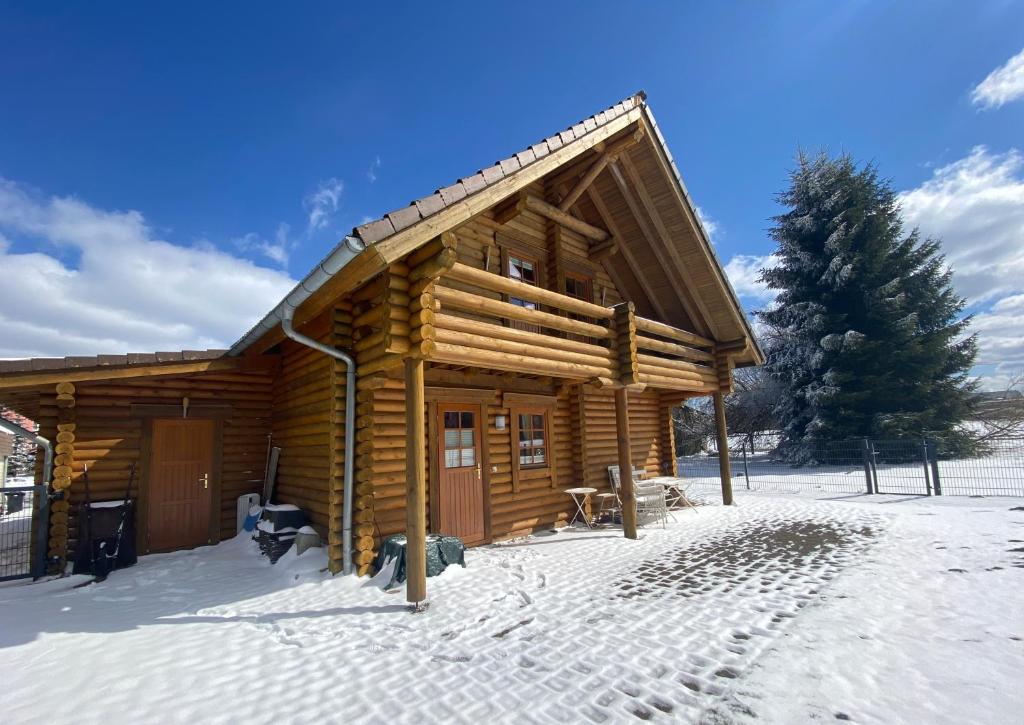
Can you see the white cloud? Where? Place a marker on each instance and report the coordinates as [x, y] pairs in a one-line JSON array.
[[709, 224], [371, 173], [279, 250], [102, 283], [1004, 84], [976, 207], [744, 271], [322, 203]]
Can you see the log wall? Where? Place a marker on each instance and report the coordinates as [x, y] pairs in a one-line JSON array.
[[104, 433]]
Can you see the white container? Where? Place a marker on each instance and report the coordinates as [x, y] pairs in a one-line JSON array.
[[245, 502]]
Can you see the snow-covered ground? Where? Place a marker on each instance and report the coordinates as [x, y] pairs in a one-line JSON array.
[[782, 609]]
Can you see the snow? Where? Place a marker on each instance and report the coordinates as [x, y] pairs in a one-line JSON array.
[[106, 504], [784, 608]]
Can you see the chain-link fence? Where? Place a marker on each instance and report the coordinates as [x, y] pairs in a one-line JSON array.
[[900, 466]]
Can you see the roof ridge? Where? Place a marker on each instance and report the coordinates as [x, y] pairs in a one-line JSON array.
[[419, 209]]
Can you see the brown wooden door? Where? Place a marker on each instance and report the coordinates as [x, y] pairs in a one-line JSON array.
[[460, 488], [180, 484]]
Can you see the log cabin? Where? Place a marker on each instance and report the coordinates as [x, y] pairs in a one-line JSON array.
[[451, 367]]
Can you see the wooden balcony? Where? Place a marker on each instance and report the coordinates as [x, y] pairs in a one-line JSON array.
[[551, 334]]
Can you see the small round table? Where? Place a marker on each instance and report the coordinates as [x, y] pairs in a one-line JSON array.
[[579, 497]]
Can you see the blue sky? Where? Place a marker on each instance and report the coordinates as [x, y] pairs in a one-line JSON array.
[[250, 132]]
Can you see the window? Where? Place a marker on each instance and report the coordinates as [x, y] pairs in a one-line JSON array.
[[578, 287], [459, 439], [523, 269], [532, 440], [527, 269], [533, 457]]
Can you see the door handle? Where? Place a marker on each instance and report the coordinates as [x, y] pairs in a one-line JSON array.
[[205, 480]]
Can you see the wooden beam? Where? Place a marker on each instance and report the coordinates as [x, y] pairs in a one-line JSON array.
[[626, 492], [50, 377], [509, 209], [515, 288], [674, 333], [668, 244], [479, 304], [610, 154], [401, 243], [415, 485], [603, 250], [724, 469], [627, 253], [552, 212]]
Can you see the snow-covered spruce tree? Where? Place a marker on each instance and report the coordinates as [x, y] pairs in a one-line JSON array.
[[868, 338]]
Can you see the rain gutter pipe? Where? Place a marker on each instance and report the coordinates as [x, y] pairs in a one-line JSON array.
[[345, 252]]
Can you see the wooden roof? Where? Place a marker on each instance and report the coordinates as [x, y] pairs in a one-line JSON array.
[[666, 265]]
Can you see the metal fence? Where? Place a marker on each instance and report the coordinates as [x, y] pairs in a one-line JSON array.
[[903, 466], [20, 534]]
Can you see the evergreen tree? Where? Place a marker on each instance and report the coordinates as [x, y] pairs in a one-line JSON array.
[[868, 334]]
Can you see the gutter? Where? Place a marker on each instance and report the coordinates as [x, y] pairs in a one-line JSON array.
[[42, 534], [340, 256]]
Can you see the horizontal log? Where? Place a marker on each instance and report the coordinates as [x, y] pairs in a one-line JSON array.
[[667, 383], [671, 348], [552, 212], [483, 343], [674, 333], [515, 288], [478, 303], [461, 355], [489, 329]]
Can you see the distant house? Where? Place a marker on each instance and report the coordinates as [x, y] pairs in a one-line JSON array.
[[513, 333], [6, 451]]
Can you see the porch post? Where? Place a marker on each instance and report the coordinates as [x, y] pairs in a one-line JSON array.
[[625, 463], [725, 471], [415, 484]]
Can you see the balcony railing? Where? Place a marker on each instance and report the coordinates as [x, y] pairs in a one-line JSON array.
[[473, 327]]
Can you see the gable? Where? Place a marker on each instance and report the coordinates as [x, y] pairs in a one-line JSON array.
[[662, 259]]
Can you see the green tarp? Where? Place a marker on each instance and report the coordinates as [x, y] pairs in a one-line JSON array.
[[442, 551]]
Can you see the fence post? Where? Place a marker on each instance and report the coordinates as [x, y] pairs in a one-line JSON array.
[[746, 471], [866, 450], [41, 529], [932, 456], [924, 458]]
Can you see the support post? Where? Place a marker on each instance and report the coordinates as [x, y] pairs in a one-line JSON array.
[[415, 485], [724, 469], [924, 460], [932, 451], [626, 492], [866, 450], [746, 469]]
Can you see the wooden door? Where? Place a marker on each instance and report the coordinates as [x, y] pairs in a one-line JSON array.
[[460, 485], [180, 484]]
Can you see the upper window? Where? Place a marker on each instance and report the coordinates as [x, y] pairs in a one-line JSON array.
[[532, 440], [578, 287], [523, 269]]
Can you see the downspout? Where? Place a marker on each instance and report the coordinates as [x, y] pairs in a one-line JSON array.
[[348, 249], [350, 428], [42, 535]]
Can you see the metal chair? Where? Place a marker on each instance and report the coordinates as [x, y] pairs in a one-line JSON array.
[[649, 495]]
